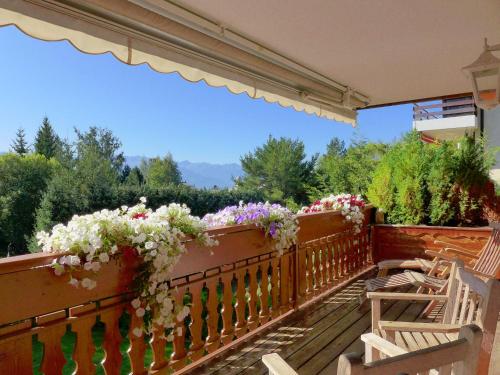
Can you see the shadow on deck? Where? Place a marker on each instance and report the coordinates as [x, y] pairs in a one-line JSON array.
[[312, 339]]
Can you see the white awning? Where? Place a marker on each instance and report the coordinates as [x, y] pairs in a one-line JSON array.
[[136, 35]]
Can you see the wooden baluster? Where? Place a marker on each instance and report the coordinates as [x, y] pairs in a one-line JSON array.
[[241, 322], [253, 316], [364, 248], [84, 348], [275, 287], [301, 274], [137, 347], [352, 254], [361, 250], [336, 258], [53, 359], [285, 283], [16, 354], [178, 358], [158, 343], [310, 273], [213, 338], [227, 308], [112, 338], [357, 259], [349, 262], [341, 251], [329, 255], [264, 292], [317, 271], [324, 259], [196, 348], [368, 247]]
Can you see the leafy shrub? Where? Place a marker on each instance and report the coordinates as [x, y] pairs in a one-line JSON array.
[[445, 184], [23, 179]]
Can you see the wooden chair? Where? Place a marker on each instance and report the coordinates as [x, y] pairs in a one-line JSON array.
[[462, 354], [469, 300], [485, 264]]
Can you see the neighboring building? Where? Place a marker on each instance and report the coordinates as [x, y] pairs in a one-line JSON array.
[[452, 118]]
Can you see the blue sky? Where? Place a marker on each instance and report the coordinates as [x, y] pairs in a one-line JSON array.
[[155, 113]]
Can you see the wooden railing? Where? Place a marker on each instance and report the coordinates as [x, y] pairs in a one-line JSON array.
[[48, 326], [411, 241], [447, 108]]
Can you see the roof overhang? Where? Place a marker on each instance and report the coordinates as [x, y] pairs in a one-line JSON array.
[[323, 57], [136, 34]]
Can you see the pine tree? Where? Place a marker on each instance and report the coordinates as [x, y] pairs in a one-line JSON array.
[[46, 141], [20, 146]]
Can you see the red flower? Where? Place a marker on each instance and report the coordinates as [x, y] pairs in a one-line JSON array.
[[139, 215]]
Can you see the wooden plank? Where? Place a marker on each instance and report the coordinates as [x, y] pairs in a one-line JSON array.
[[334, 342], [411, 313], [286, 331]]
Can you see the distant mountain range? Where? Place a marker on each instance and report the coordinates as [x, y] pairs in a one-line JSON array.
[[201, 175]]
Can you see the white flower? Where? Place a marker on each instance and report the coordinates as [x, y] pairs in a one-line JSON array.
[[88, 283], [139, 239], [136, 303], [159, 237], [150, 245], [143, 199], [95, 266], [58, 271], [137, 332], [140, 312]]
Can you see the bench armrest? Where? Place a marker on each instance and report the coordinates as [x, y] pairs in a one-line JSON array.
[[406, 296], [276, 365], [418, 327]]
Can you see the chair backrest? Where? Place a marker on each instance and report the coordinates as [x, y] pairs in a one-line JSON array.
[[468, 297], [489, 259]]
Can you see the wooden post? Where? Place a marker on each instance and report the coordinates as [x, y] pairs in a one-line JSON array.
[[489, 322], [350, 364], [375, 313], [471, 362]]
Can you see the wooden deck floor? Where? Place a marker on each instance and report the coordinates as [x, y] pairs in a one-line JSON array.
[[312, 339]]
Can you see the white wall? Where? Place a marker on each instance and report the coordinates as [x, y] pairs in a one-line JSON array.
[[492, 134]]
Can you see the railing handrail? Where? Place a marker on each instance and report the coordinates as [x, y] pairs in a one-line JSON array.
[[444, 109], [40, 259], [417, 107], [425, 116]]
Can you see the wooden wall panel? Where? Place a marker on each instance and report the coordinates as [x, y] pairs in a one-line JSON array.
[[409, 242]]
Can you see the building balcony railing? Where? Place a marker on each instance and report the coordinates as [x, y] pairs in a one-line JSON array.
[[243, 288], [447, 108], [449, 119]]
